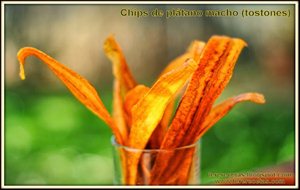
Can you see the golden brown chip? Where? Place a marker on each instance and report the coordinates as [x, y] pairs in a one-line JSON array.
[[120, 68], [210, 78], [118, 111], [219, 111], [79, 86], [212, 52], [131, 98], [194, 51], [216, 85], [147, 113], [156, 137]]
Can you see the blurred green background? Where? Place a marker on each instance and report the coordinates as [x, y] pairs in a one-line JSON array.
[[50, 138]]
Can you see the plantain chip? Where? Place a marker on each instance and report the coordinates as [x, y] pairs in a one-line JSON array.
[[78, 85], [147, 113]]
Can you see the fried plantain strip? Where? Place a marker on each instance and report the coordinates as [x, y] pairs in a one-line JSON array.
[[180, 170], [160, 131], [222, 109], [79, 86], [214, 116], [215, 87], [218, 51], [118, 111], [147, 113], [131, 98], [188, 105], [120, 68], [193, 51]]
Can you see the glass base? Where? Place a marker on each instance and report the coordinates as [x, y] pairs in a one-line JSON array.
[[180, 166]]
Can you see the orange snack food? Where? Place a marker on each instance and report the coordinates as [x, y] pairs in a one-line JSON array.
[[142, 116]]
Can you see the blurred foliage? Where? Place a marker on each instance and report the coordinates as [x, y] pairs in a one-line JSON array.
[[51, 139], [249, 138]]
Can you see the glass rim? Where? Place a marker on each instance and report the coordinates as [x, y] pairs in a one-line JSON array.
[[114, 143]]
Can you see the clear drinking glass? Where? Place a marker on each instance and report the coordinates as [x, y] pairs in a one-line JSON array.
[[180, 166]]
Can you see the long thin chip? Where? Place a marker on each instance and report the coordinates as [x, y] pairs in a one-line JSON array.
[[209, 62], [118, 111], [214, 116], [120, 68], [147, 113], [131, 98], [194, 51], [79, 86], [222, 109], [167, 115], [157, 137], [158, 134], [219, 51], [215, 87]]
